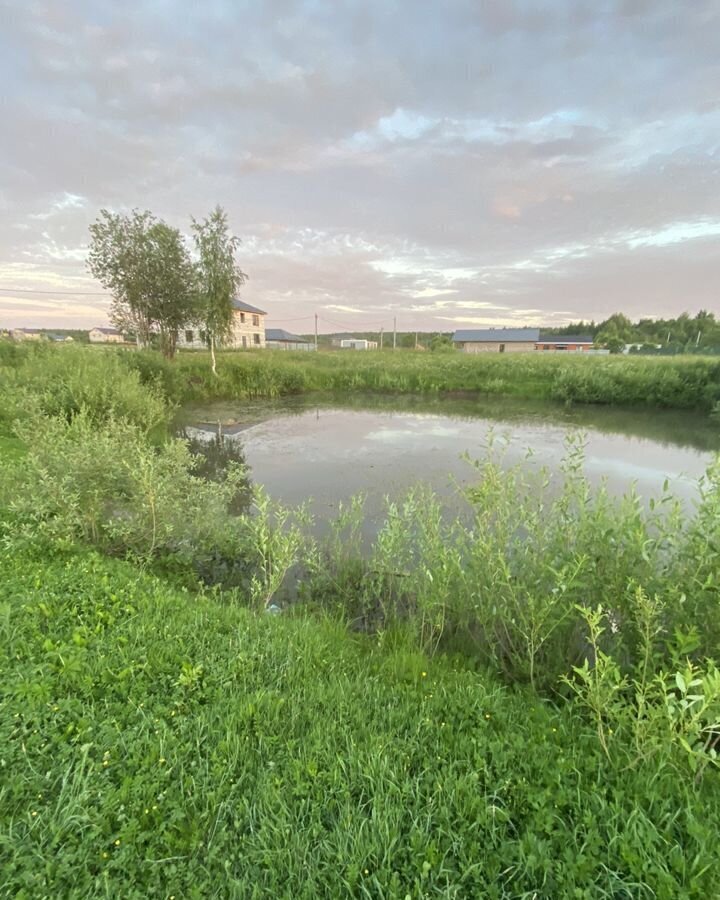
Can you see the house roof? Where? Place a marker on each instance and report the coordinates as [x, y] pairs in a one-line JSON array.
[[106, 330], [279, 334], [565, 339], [504, 335], [242, 306]]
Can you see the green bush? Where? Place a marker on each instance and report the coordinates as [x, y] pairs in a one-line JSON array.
[[507, 581], [64, 381], [108, 487]]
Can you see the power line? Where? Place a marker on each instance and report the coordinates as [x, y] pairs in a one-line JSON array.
[[68, 293]]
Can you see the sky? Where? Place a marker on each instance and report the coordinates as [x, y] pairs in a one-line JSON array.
[[506, 162]]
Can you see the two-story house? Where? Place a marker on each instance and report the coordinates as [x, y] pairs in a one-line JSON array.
[[248, 330]]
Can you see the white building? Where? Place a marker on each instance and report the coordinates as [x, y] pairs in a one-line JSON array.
[[105, 336], [248, 330], [358, 344]]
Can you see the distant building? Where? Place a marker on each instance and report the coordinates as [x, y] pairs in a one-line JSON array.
[[105, 336], [572, 343], [357, 344], [337, 339], [26, 334], [59, 338], [279, 339], [496, 340], [248, 330]]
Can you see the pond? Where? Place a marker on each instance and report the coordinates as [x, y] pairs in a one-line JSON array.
[[327, 449]]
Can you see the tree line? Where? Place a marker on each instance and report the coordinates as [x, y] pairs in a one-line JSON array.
[[158, 286], [685, 333]]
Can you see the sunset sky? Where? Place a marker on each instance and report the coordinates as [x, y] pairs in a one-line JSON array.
[[446, 163]]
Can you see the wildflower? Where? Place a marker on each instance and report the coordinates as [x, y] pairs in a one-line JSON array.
[[105, 762], [366, 871], [117, 842], [487, 715], [34, 813], [424, 674], [147, 811], [554, 729], [161, 760], [105, 856]]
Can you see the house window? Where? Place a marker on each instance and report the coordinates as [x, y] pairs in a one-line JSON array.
[[256, 321], [502, 348], [256, 338], [244, 341], [189, 337], [242, 318], [203, 337], [546, 347]]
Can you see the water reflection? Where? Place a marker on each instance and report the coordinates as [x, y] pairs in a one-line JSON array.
[[327, 450], [676, 428], [216, 453]]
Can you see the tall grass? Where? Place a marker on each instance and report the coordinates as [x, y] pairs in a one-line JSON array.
[[691, 383]]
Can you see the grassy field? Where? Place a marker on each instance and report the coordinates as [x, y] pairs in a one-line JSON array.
[[519, 704], [160, 744]]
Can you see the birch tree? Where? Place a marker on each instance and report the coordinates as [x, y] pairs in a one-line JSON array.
[[218, 278]]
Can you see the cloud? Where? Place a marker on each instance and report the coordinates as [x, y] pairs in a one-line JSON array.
[[495, 157]]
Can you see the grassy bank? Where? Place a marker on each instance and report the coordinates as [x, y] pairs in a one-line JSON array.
[[691, 382], [161, 744], [678, 383], [519, 703]]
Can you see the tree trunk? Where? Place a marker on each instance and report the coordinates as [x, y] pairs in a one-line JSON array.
[[212, 355], [167, 344]]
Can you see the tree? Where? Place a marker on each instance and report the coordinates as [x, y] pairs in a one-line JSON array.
[[441, 343], [217, 278], [145, 264]]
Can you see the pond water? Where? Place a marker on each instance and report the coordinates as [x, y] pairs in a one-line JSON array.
[[325, 450]]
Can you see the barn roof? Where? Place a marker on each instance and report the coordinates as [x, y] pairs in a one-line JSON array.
[[503, 335], [105, 330], [279, 334]]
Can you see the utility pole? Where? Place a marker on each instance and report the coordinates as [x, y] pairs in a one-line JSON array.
[[316, 331], [394, 332], [381, 337], [697, 342]]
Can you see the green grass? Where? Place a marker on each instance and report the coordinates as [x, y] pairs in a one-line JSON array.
[[689, 382], [11, 448], [676, 383], [156, 743]]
